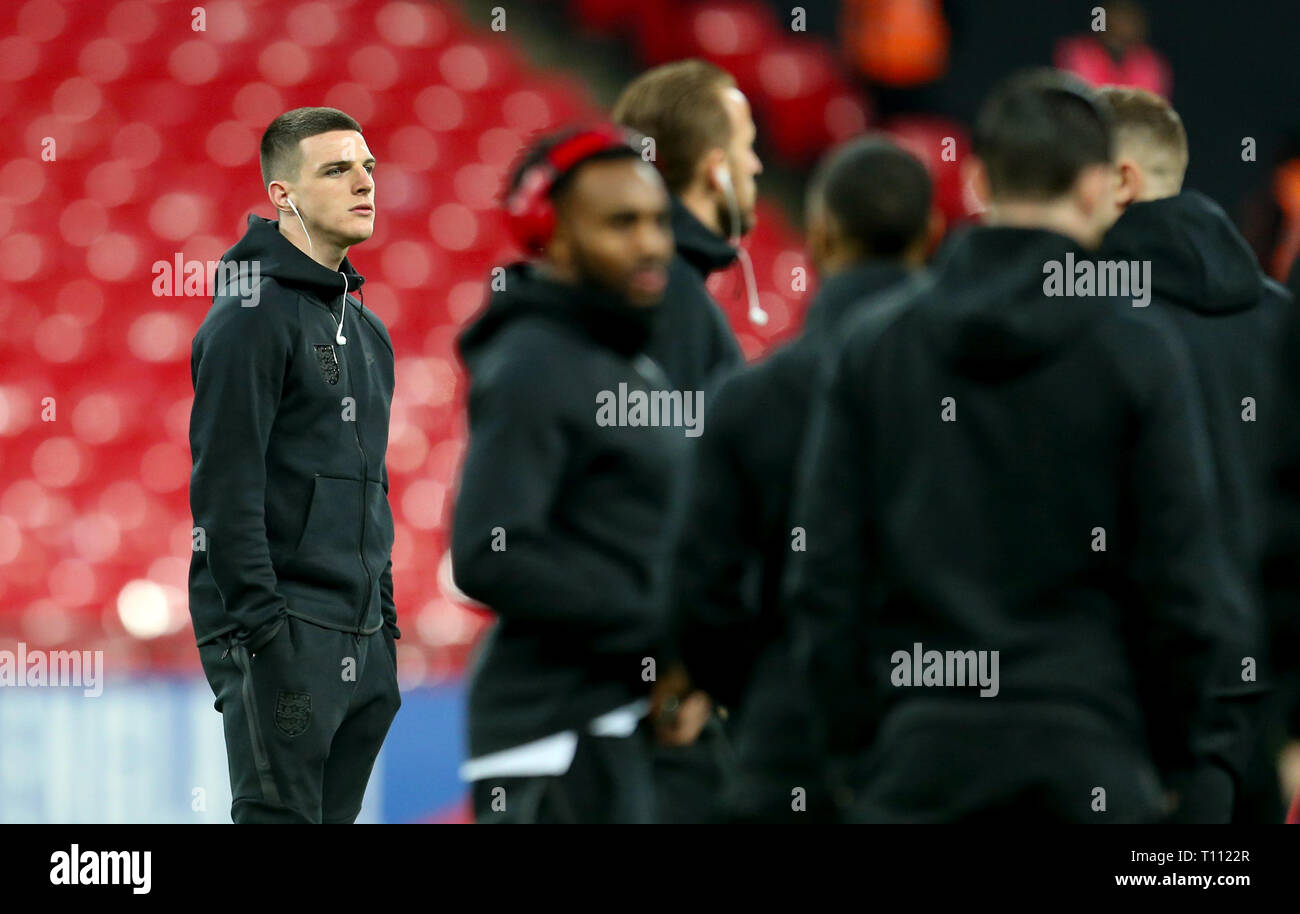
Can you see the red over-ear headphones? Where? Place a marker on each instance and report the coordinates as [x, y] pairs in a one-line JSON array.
[[529, 210]]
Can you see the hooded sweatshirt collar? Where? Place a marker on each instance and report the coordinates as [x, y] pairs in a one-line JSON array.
[[842, 291], [700, 246], [1198, 258], [988, 315], [277, 256], [599, 314]]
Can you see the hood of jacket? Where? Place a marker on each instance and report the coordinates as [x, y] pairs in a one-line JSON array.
[[700, 246], [277, 257], [599, 314], [841, 292], [987, 314], [1198, 258]]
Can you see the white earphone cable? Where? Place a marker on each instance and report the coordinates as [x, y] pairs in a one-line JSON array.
[[343, 309]]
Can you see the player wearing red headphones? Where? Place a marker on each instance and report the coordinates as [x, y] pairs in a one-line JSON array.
[[561, 520]]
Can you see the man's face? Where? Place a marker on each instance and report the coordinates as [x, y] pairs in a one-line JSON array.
[[742, 161], [613, 229], [335, 190]]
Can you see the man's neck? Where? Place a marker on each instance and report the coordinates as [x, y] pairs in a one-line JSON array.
[[549, 270], [834, 264], [327, 255], [1053, 217], [702, 208]]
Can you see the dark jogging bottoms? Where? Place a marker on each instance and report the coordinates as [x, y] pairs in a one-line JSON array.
[[304, 719]]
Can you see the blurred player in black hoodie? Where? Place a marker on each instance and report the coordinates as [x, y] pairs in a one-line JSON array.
[[869, 212], [1205, 277], [703, 134], [562, 515], [1010, 597]]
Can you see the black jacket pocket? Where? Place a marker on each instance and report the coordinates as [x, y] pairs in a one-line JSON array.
[[328, 553]]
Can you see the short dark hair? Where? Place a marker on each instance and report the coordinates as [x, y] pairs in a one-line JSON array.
[[878, 193], [540, 146], [281, 156], [679, 105], [1037, 131]]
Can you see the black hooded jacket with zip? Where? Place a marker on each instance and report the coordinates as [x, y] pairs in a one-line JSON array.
[[1206, 278], [288, 435], [562, 521], [736, 538], [740, 495], [974, 445]]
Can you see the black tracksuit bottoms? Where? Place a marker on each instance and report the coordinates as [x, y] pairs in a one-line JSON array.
[[305, 718]]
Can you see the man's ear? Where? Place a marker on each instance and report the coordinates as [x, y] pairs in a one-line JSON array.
[[559, 250], [1095, 188], [975, 184], [706, 172], [1131, 182], [818, 233], [934, 229], [278, 192]]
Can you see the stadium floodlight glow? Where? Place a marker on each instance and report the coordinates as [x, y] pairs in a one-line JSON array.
[[142, 607]]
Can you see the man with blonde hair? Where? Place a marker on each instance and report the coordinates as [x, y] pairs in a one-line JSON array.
[[1205, 277]]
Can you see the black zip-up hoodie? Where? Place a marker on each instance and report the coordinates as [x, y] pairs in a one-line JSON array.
[[1206, 278], [735, 637], [561, 523], [288, 433], [980, 533], [692, 341], [737, 538]]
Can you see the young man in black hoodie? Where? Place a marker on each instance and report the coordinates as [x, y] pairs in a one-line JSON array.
[[868, 225], [562, 518], [291, 585], [699, 131], [1010, 600], [1205, 277]]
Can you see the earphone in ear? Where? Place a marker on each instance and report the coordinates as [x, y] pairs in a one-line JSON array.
[[338, 333], [311, 250]]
